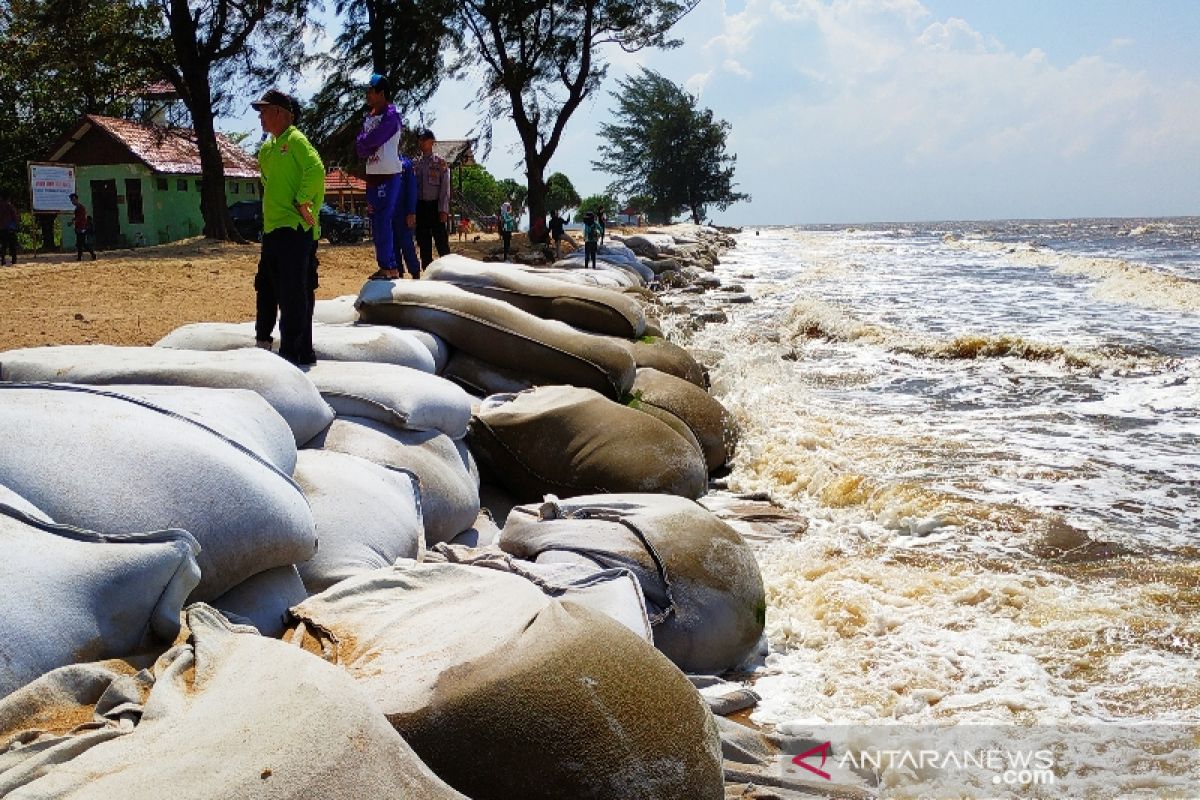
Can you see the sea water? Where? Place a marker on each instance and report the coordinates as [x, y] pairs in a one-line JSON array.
[[993, 431]]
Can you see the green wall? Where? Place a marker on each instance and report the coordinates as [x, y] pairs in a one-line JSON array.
[[169, 213]]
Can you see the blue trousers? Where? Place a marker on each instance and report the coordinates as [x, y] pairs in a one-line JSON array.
[[406, 250], [384, 198]]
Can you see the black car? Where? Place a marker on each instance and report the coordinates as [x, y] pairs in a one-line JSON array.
[[336, 226]]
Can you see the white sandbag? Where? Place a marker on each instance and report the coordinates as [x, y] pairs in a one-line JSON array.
[[614, 257], [70, 595], [614, 592], [263, 600], [449, 482], [336, 311], [367, 516], [702, 584], [436, 345], [230, 714], [483, 533], [405, 398], [376, 344], [111, 463], [238, 414], [573, 271], [279, 383], [13, 500], [507, 693]]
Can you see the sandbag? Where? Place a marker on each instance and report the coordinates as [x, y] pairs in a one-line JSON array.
[[703, 588], [371, 343], [591, 309], [405, 398], [483, 533], [568, 441], [481, 378], [114, 464], [367, 516], [507, 693], [70, 595], [337, 311], [501, 334], [280, 384], [237, 414], [616, 257], [449, 482], [712, 425], [575, 272], [13, 500], [262, 600], [229, 714], [665, 356]]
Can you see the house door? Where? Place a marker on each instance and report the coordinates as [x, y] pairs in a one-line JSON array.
[[104, 214]]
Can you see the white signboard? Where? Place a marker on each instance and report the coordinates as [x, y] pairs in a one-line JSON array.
[[50, 186]]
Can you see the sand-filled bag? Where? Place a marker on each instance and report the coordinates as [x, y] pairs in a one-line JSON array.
[[449, 482], [373, 343], [665, 356], [591, 309], [263, 600], [702, 585], [229, 714], [367, 516], [481, 378], [501, 334], [708, 420], [237, 414], [279, 383], [508, 693], [568, 441], [336, 311], [405, 398], [614, 257], [574, 272], [69, 595], [114, 464]]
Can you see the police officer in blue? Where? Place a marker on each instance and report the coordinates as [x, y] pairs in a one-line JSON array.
[[432, 175]]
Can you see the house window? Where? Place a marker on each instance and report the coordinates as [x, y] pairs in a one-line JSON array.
[[249, 188], [181, 184], [234, 187], [133, 201], [162, 184], [199, 186]]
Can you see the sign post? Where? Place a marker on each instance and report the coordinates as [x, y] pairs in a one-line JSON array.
[[50, 187]]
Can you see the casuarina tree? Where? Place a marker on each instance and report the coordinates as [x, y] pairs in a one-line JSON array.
[[540, 59], [560, 193], [217, 53], [668, 148]]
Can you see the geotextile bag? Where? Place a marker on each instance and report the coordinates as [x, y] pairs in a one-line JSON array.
[[713, 426]]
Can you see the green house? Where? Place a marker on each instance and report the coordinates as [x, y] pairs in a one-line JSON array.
[[140, 182]]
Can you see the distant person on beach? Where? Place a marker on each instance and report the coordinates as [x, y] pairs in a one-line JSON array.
[[9, 222], [433, 199], [379, 145], [591, 239], [464, 227], [508, 224], [558, 233], [293, 178], [602, 220], [83, 230]]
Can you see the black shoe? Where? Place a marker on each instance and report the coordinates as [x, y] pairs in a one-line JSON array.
[[93, 256]]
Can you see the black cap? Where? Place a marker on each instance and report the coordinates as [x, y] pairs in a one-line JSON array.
[[274, 97], [425, 134]]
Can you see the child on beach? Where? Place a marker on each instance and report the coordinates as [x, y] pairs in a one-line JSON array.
[[591, 239]]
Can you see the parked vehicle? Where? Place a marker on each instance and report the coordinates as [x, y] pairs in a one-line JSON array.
[[336, 226]]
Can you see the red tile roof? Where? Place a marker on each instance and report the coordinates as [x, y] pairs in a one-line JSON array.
[[338, 180], [173, 150]]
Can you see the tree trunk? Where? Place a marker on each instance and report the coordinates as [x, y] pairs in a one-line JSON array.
[[535, 198]]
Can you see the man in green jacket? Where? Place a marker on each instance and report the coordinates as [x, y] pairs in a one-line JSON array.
[[293, 190]]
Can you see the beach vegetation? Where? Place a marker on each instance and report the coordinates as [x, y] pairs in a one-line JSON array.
[[560, 193], [538, 60], [667, 149]]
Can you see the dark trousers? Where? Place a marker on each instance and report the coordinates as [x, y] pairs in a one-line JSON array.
[[83, 241], [285, 283], [8, 244], [506, 237], [589, 253], [430, 229]]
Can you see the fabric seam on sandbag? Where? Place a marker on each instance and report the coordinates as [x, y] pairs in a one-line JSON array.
[[586, 300], [86, 536], [67, 387], [496, 438], [374, 403], [494, 326]]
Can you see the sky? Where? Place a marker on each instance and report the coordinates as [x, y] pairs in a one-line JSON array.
[[898, 110]]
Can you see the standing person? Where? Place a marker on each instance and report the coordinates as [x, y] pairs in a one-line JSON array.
[[433, 199], [379, 145], [9, 220], [602, 220], [464, 226], [591, 239], [406, 213], [293, 189], [508, 224], [82, 230], [557, 233]]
